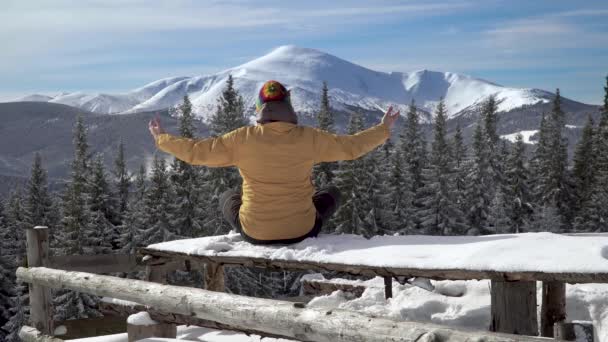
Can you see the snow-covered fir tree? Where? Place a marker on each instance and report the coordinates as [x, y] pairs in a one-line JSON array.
[[102, 231], [414, 154], [596, 211], [518, 203], [356, 182], [440, 214], [229, 115], [6, 276], [159, 207], [75, 236], [552, 186], [134, 220], [121, 183], [583, 174], [39, 207], [461, 164], [479, 181], [324, 172], [72, 238], [189, 214]]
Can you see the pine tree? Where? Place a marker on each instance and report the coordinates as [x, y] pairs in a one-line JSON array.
[[159, 202], [519, 203], [228, 117], [460, 160], [324, 172], [76, 216], [355, 182], [440, 214], [134, 220], [596, 210], [400, 195], [479, 180], [122, 183], [75, 235], [16, 223], [413, 152], [102, 233], [38, 201], [6, 275], [189, 216], [584, 168], [555, 192]]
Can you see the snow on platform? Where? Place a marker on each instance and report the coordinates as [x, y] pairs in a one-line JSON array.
[[529, 252]]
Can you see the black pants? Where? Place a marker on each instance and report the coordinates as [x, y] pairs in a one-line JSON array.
[[326, 201]]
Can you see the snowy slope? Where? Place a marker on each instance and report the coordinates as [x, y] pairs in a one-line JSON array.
[[304, 70]]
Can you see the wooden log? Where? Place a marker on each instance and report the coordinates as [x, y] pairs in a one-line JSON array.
[[148, 328], [214, 277], [99, 264], [388, 287], [553, 309], [513, 307], [31, 334], [119, 310], [271, 316], [372, 271], [41, 305]]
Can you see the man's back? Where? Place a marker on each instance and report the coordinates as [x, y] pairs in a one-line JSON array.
[[275, 161]]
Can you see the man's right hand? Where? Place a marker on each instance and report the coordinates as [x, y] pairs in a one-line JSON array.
[[155, 128], [390, 118]]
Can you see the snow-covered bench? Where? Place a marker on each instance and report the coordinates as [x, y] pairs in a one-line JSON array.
[[513, 262]]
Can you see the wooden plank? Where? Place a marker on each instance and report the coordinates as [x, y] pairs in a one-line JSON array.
[[31, 334], [324, 287], [90, 327], [435, 274], [41, 305], [272, 316], [513, 307], [553, 309], [99, 264]]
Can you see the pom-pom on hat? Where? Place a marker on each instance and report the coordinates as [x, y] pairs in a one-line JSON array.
[[271, 91]]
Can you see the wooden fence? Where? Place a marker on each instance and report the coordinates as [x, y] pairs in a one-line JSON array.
[[160, 299]]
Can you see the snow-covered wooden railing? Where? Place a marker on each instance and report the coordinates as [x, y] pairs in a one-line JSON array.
[[275, 317], [38, 254], [513, 263]]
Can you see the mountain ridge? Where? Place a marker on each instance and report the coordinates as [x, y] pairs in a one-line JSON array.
[[303, 70]]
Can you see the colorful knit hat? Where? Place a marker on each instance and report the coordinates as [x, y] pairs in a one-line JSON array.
[[271, 91]]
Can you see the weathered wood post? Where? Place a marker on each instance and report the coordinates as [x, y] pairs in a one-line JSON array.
[[140, 326], [41, 309], [563, 331], [388, 287], [214, 277], [553, 308], [157, 273], [514, 307]]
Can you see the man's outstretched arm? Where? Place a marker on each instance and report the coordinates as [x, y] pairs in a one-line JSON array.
[[215, 152], [332, 147]]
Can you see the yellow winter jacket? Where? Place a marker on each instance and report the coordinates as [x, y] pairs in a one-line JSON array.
[[275, 161]]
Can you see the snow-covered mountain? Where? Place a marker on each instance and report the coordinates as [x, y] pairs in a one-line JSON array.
[[303, 70]]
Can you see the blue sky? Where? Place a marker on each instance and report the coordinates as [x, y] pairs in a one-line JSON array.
[[113, 46]]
